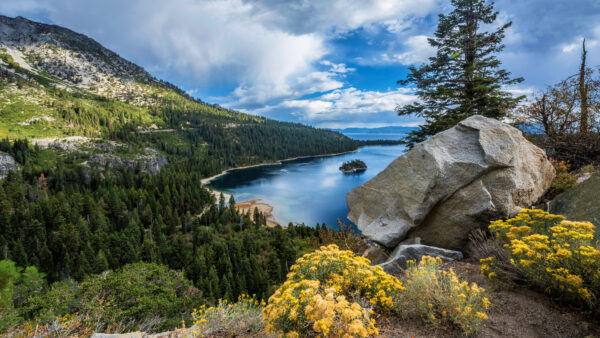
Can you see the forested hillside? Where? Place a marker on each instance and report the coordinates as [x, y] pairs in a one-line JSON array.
[[70, 214], [55, 83]]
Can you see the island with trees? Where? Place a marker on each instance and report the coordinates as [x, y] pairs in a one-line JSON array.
[[354, 166]]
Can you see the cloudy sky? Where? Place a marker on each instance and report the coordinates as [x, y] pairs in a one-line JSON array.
[[326, 63]]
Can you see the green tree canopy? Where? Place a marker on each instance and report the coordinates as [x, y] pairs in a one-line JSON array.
[[464, 77]]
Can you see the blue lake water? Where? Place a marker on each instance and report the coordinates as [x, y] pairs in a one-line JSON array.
[[308, 191]]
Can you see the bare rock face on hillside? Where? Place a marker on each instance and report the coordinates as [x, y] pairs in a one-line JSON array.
[[454, 182], [7, 163], [581, 202]]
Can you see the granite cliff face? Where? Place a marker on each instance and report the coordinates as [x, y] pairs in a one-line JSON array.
[[454, 182], [7, 163]]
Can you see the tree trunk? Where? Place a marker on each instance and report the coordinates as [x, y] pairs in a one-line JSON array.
[[583, 123]]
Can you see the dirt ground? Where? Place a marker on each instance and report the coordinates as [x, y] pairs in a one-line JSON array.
[[516, 311]]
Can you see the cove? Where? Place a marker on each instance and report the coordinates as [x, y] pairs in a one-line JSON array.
[[308, 190]]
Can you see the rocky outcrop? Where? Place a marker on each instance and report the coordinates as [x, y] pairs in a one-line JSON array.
[[151, 162], [7, 163], [581, 202], [77, 143], [405, 252], [454, 182]]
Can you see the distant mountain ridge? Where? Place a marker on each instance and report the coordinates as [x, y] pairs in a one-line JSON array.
[[380, 130], [56, 83]]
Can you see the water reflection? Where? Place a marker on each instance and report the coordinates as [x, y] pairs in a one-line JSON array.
[[307, 191]]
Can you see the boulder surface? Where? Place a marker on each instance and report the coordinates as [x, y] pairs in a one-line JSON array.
[[405, 252], [452, 183], [580, 203]]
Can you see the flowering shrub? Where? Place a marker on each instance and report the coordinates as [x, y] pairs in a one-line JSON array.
[[235, 319], [333, 293], [560, 256], [69, 325], [439, 297]]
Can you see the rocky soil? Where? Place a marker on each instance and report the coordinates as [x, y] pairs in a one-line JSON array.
[[516, 311]]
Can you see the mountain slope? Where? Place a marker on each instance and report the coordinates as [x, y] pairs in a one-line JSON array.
[[56, 83], [71, 59]]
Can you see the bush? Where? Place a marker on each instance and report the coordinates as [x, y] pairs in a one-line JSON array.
[[563, 179], [9, 275], [440, 298], [330, 292], [578, 149], [140, 296], [559, 256], [232, 319], [334, 293]]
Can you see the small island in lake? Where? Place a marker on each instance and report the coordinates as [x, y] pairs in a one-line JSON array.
[[354, 166]]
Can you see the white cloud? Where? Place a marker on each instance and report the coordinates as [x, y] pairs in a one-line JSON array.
[[576, 45], [337, 67], [341, 15], [268, 51], [418, 51], [344, 104]]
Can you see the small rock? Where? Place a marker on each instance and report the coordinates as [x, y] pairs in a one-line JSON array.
[[376, 253], [404, 253]]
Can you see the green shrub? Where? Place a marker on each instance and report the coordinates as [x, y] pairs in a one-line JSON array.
[[9, 275], [563, 179], [140, 295]]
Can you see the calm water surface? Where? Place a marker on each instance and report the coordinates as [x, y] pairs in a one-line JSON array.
[[308, 191]]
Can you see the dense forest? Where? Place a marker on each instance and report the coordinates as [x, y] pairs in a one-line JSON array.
[[71, 222]]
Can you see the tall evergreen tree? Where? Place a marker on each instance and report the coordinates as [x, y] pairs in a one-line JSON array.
[[464, 77]]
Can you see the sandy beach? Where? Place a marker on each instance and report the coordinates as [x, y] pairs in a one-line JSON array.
[[248, 207]]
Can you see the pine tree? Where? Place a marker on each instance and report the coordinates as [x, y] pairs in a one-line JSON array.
[[101, 263], [463, 78]]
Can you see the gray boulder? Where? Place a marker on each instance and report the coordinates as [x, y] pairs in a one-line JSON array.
[[376, 253], [7, 163], [406, 252], [580, 203], [454, 182]]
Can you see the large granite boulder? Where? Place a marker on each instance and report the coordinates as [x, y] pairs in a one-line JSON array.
[[7, 163], [451, 184], [580, 203]]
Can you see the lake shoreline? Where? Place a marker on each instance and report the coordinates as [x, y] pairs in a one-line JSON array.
[[316, 178], [271, 222], [206, 181]]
